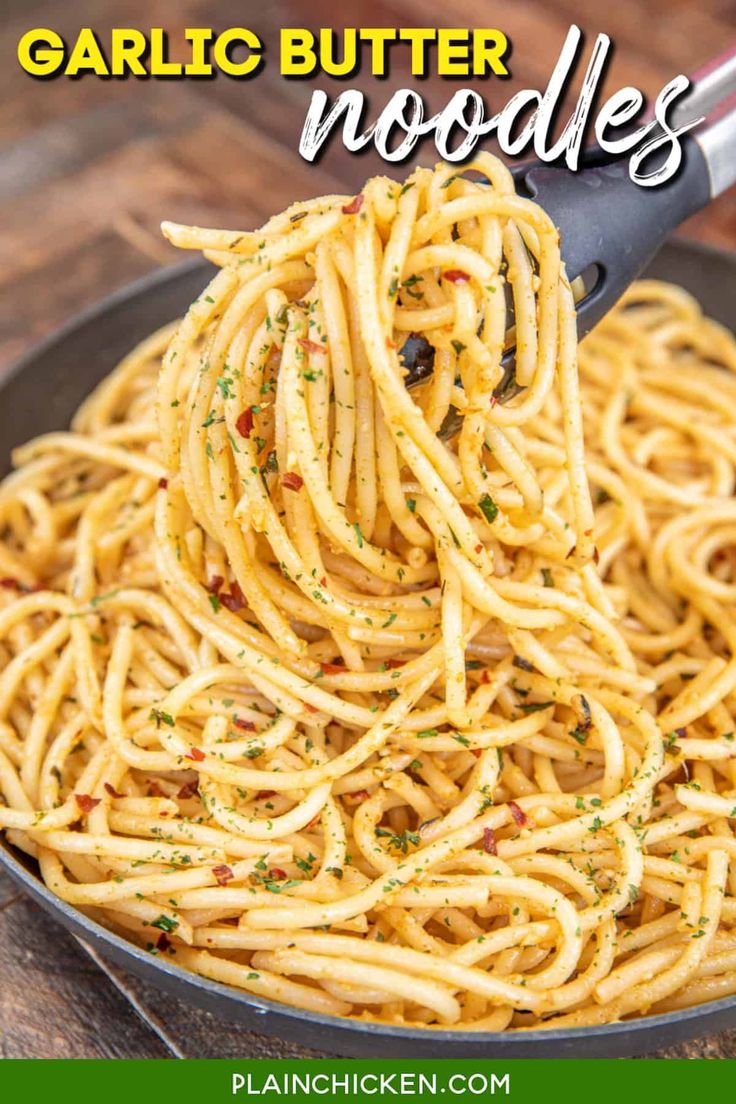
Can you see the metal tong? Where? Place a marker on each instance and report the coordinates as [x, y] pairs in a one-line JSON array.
[[611, 227]]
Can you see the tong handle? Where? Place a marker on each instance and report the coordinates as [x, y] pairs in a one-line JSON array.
[[713, 95], [711, 84], [608, 221], [610, 226]]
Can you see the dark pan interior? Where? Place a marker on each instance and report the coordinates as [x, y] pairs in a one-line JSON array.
[[40, 394]]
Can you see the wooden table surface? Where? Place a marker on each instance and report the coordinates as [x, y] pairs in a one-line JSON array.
[[88, 169]]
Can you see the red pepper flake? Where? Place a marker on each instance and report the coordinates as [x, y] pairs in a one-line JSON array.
[[276, 874], [247, 726], [235, 600], [244, 424], [154, 790], [310, 708], [195, 753], [357, 796], [354, 205], [486, 676], [332, 668], [263, 794], [456, 276], [86, 803], [477, 752], [518, 814], [392, 664], [112, 791], [323, 581], [479, 548], [489, 841], [162, 943], [163, 484], [596, 556], [310, 346], [189, 789], [214, 584], [292, 481], [10, 584], [571, 552], [223, 874]]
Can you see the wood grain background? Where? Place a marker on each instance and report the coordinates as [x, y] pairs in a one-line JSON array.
[[88, 169]]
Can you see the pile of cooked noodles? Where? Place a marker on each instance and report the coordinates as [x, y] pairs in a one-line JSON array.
[[306, 697]]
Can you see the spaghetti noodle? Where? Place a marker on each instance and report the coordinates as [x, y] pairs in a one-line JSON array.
[[307, 699]]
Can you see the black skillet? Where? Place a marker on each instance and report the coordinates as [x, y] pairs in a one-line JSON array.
[[41, 393]]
